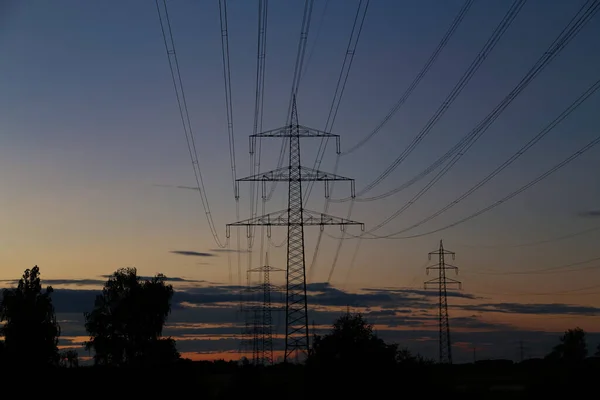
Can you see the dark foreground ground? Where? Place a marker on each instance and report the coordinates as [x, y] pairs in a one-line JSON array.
[[485, 380]]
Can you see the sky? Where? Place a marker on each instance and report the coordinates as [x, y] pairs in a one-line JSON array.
[[92, 152]]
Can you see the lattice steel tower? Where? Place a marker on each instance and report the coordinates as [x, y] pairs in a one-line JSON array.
[[442, 281], [295, 218], [262, 348]]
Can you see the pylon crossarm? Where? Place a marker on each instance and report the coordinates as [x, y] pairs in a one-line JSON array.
[[431, 282], [281, 218], [309, 174], [266, 268], [451, 267], [294, 130], [315, 218], [450, 281], [283, 175], [431, 267], [444, 252]]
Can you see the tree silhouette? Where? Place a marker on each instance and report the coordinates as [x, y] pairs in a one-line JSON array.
[[352, 344], [69, 359], [161, 352], [30, 330], [572, 347], [405, 357], [125, 326]]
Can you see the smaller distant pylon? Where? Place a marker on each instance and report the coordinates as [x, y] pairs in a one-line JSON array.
[[442, 281]]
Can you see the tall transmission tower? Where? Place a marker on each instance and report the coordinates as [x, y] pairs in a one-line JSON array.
[[442, 281], [262, 331], [295, 218]]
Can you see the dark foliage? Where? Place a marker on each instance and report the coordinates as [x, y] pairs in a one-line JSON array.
[[69, 359], [30, 330], [351, 344], [125, 326], [404, 357], [572, 348]]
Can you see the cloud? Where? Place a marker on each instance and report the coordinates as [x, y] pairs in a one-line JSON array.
[[229, 251], [319, 287], [208, 318], [192, 253], [75, 282], [168, 279], [61, 282], [590, 214], [519, 308], [98, 282], [475, 322], [75, 301], [422, 292], [177, 187]]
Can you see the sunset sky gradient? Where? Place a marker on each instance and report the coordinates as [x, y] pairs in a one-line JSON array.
[[92, 149]]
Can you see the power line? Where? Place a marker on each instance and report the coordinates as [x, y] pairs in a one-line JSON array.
[[571, 30], [523, 188], [229, 113], [224, 30], [455, 23], [340, 87], [227, 81], [539, 242], [567, 292], [317, 35], [304, 30], [503, 200], [568, 33], [432, 58], [184, 114], [339, 245], [572, 107], [333, 110], [458, 150], [559, 268], [255, 158], [461, 84]]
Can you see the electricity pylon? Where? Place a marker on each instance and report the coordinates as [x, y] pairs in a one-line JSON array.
[[262, 348], [442, 281], [294, 218]]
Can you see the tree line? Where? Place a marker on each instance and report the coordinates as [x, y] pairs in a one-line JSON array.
[[127, 319], [124, 326]]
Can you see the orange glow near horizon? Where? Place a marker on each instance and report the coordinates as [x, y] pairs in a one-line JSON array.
[[225, 355]]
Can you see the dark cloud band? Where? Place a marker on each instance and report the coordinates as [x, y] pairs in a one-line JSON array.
[[191, 253]]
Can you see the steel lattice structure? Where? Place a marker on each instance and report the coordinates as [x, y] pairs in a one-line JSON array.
[[295, 218], [262, 346], [442, 281]]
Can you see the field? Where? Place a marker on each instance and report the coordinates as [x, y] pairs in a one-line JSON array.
[[207, 380]]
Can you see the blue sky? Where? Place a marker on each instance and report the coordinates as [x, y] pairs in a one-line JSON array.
[[91, 130]]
